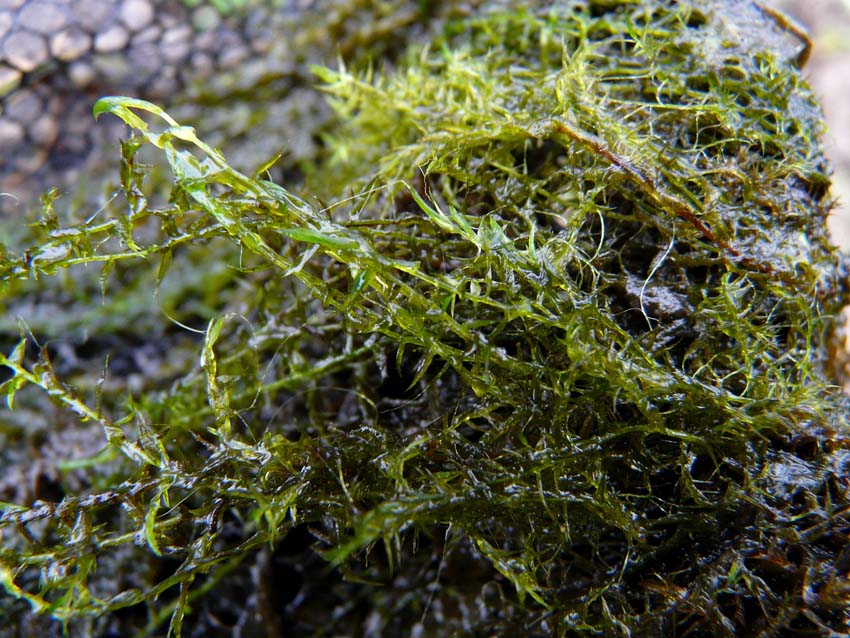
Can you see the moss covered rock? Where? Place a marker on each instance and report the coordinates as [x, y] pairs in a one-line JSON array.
[[540, 349]]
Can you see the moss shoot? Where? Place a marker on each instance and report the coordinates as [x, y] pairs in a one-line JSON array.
[[537, 347]]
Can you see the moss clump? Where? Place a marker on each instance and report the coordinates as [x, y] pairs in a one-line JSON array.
[[540, 350]]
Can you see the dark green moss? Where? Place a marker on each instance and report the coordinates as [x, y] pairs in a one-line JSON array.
[[540, 349]]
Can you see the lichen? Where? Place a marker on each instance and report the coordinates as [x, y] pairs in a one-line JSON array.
[[540, 348]]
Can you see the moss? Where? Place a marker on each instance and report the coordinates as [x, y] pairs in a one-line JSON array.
[[540, 347]]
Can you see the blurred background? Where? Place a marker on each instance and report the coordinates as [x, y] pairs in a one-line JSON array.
[[828, 72]]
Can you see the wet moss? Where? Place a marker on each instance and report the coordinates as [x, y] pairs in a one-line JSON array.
[[540, 346]]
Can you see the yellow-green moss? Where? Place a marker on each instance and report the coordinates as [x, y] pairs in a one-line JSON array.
[[539, 350]]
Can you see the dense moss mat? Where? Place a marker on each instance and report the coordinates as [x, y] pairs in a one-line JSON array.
[[540, 348]]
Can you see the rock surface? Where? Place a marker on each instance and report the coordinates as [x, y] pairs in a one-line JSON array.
[[828, 23]]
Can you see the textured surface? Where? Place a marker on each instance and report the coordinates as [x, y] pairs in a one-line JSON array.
[[828, 71], [542, 354], [57, 57]]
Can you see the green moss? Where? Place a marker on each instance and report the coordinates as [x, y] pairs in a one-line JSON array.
[[540, 348]]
